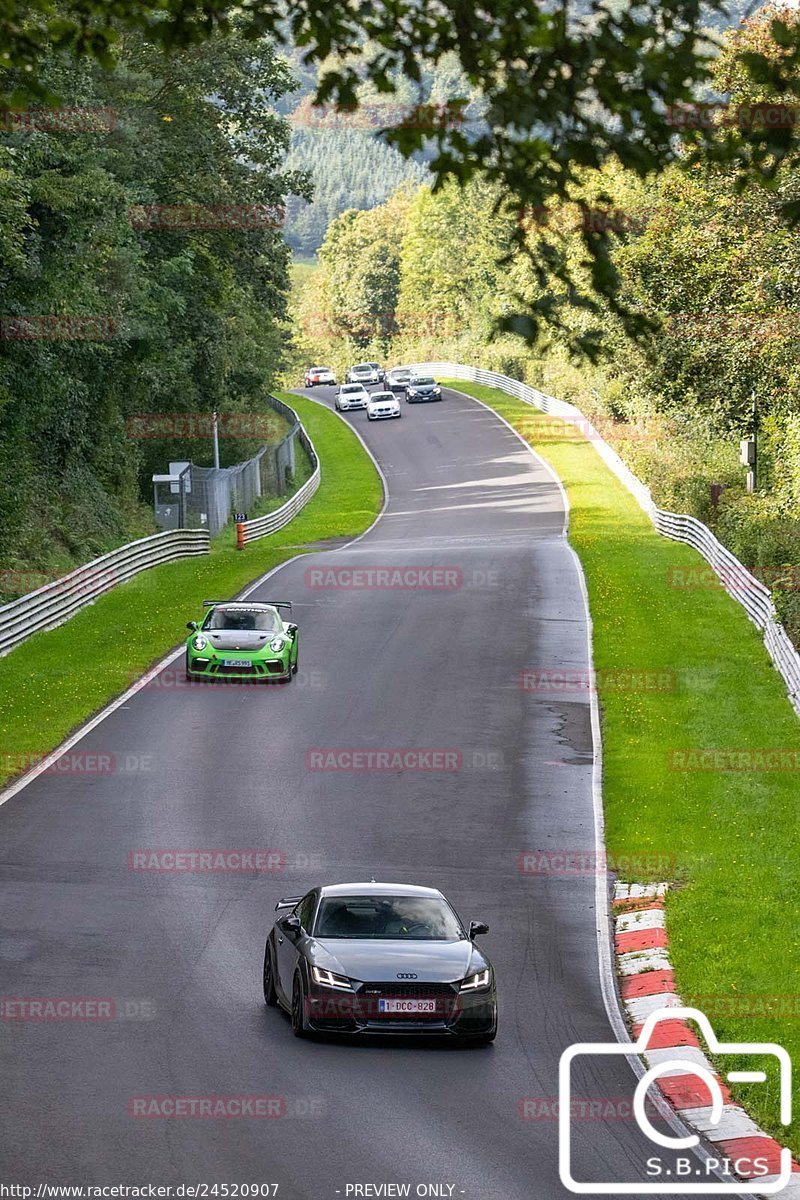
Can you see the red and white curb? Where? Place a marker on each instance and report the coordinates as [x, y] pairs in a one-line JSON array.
[[647, 984]]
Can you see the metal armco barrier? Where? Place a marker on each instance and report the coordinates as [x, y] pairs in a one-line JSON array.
[[56, 602], [249, 531], [754, 597]]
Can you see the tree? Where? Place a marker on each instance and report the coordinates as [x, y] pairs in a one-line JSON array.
[[564, 91], [191, 318]]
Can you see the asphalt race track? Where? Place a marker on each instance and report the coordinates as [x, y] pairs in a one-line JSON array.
[[434, 667]]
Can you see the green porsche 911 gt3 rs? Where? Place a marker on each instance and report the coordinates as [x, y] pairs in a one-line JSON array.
[[242, 639]]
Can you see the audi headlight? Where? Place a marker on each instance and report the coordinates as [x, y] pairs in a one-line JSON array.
[[481, 979], [277, 644], [331, 979], [199, 642]]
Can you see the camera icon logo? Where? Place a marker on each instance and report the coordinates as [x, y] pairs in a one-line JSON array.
[[694, 1065]]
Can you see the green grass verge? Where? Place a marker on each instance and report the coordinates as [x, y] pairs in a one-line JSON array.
[[725, 837], [54, 681]]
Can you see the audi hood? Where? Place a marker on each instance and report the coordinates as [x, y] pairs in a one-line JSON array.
[[378, 961]]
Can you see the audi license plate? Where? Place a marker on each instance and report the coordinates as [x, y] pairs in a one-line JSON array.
[[400, 1007]]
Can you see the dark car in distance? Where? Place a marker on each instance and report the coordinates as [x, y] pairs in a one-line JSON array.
[[377, 959], [423, 388]]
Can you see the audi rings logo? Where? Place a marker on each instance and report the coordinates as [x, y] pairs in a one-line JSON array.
[[406, 975]]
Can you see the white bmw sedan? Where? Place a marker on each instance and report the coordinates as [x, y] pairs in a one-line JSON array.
[[382, 404], [351, 395]]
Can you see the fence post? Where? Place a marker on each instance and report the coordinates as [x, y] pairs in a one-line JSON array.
[[240, 538]]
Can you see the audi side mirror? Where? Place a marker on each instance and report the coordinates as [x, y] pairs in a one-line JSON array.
[[476, 927]]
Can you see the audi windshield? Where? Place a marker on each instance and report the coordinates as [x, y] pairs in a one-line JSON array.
[[419, 919]]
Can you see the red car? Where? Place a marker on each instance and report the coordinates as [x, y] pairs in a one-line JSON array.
[[315, 375]]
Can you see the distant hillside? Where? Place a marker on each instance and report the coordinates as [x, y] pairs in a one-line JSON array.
[[352, 167]]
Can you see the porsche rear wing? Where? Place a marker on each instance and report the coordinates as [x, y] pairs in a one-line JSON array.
[[288, 902], [272, 603]]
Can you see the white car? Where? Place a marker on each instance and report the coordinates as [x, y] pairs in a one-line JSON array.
[[315, 375], [398, 378], [351, 395], [370, 372], [383, 404]]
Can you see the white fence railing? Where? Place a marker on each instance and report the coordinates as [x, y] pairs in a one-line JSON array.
[[751, 593], [249, 531], [56, 602]]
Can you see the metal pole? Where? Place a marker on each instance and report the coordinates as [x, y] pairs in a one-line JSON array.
[[755, 442], [216, 438]]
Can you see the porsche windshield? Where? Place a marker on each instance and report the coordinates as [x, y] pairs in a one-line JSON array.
[[264, 620], [415, 918]]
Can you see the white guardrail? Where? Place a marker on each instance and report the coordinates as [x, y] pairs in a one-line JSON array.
[[56, 602], [248, 531], [754, 597]]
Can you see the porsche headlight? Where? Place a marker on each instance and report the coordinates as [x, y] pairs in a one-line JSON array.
[[277, 644], [331, 979], [199, 642], [473, 983]]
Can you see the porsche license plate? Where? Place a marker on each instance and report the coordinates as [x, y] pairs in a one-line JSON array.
[[243, 664], [401, 1007]]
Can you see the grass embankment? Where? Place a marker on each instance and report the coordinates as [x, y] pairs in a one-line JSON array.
[[56, 680], [726, 837]]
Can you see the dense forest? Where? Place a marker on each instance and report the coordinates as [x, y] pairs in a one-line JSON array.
[[429, 275], [349, 162], [126, 314], [352, 166], [109, 313]]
